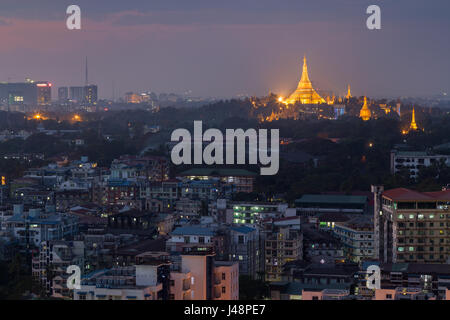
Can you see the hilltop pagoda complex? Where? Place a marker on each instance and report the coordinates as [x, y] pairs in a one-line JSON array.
[[305, 92]]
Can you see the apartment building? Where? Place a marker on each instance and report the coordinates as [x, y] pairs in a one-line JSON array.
[[412, 226], [202, 278], [244, 247], [246, 213], [50, 262], [147, 281], [357, 237], [281, 247], [413, 161]]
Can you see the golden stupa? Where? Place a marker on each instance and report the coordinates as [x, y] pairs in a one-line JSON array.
[[349, 93], [305, 93], [365, 113], [413, 125]]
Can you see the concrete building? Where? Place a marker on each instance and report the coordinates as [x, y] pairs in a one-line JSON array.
[[244, 248], [357, 237], [247, 213], [50, 262], [203, 278], [148, 281], [316, 204], [413, 161], [412, 226], [281, 247]]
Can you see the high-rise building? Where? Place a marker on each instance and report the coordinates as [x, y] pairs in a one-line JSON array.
[[63, 94], [44, 92], [412, 226], [90, 94], [87, 94], [76, 94], [28, 93]]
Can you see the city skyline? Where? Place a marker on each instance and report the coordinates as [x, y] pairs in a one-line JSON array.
[[224, 50]]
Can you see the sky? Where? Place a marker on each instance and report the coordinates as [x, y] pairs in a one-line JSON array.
[[226, 48]]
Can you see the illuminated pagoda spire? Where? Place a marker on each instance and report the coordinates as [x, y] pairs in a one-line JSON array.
[[305, 92], [413, 125], [365, 113], [349, 93]]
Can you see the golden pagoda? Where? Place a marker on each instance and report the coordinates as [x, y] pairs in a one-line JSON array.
[[413, 125], [365, 113], [349, 94], [305, 92]]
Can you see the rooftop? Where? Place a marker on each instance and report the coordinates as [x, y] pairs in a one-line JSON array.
[[331, 198], [198, 231], [403, 194]]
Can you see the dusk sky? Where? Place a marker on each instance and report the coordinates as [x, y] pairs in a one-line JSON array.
[[225, 48]]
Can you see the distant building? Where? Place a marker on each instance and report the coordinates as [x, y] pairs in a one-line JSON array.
[[413, 161], [240, 180], [91, 94], [63, 94], [315, 204], [27, 93], [86, 94], [246, 213], [76, 94]]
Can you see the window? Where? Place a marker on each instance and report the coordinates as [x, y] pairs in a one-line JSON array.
[[224, 289], [223, 276], [388, 296]]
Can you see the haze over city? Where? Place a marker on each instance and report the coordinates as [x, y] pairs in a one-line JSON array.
[[229, 48]]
